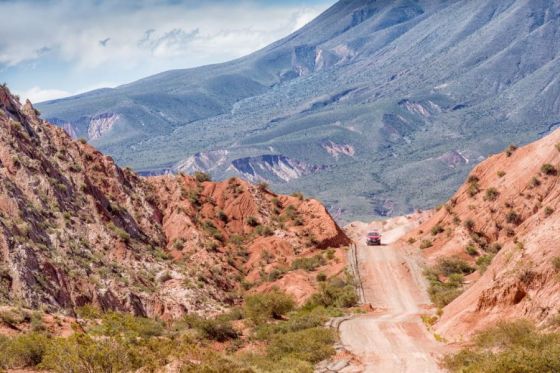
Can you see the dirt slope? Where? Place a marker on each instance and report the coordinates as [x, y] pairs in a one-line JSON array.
[[77, 229], [392, 338], [508, 208]]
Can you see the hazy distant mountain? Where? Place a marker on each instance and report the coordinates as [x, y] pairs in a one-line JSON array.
[[376, 107]]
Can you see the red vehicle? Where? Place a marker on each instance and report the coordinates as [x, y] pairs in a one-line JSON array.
[[373, 238]]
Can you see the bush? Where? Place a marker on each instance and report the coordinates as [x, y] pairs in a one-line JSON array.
[[469, 225], [334, 293], [217, 330], [25, 350], [491, 194], [264, 230], [501, 173], [442, 293], [252, 221], [471, 249], [222, 216], [437, 229], [510, 149], [121, 233], [201, 177], [265, 306], [548, 169], [449, 266], [321, 277], [309, 264], [425, 244], [535, 182], [312, 345], [509, 347], [548, 211], [512, 217], [483, 262]]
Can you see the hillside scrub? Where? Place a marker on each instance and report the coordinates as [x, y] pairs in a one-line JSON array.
[[516, 346], [294, 339], [446, 280]]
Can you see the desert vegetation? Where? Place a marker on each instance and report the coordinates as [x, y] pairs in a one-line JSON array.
[[515, 346], [269, 333]]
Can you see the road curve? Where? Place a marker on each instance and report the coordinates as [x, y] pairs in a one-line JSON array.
[[392, 338]]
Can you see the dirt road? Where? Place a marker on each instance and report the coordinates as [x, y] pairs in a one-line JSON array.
[[392, 338]]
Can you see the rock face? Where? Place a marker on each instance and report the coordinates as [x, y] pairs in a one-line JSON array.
[[509, 206], [273, 168], [76, 229]]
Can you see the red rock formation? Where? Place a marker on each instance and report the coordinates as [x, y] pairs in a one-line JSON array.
[[76, 229], [511, 200]]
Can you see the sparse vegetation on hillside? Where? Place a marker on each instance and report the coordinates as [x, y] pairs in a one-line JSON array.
[[516, 346], [293, 339], [548, 169], [446, 280]]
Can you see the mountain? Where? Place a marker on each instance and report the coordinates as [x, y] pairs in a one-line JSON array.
[[375, 107], [503, 222], [76, 229]]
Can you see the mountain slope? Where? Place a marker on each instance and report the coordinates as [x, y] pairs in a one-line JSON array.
[[419, 90], [504, 221], [76, 229]]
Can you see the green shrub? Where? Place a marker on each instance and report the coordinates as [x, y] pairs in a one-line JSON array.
[[471, 249], [501, 173], [115, 324], [309, 264], [25, 350], [491, 194], [483, 262], [222, 216], [548, 169], [121, 233], [437, 229], [321, 277], [264, 230], [217, 330], [312, 345], [535, 182], [509, 347], [252, 221], [334, 293], [425, 244], [548, 211], [469, 224], [201, 177], [265, 306], [512, 217], [449, 266]]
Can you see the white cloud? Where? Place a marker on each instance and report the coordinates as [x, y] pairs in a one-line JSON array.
[[37, 94], [89, 34]]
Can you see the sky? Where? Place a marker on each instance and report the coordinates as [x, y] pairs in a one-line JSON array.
[[57, 48]]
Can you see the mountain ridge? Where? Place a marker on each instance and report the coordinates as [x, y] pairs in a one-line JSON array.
[[404, 83]]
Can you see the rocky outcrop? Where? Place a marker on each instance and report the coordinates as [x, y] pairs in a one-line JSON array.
[[272, 168], [76, 229], [101, 125]]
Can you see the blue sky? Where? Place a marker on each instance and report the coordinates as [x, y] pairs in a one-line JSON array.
[[55, 48]]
